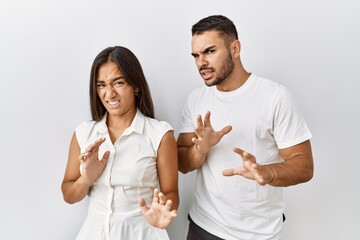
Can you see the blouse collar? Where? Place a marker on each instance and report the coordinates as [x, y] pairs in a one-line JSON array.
[[137, 124]]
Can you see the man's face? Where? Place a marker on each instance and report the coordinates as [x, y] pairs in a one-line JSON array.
[[212, 57]]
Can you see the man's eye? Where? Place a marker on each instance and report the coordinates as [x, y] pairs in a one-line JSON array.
[[209, 51]]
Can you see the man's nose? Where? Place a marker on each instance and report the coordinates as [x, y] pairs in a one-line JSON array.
[[201, 61]]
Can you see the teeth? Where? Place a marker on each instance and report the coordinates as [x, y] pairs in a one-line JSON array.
[[206, 72], [113, 102]]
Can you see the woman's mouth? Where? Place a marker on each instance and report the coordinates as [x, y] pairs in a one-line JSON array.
[[113, 103]]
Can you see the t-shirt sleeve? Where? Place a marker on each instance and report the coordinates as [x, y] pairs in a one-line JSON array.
[[187, 123], [289, 125]]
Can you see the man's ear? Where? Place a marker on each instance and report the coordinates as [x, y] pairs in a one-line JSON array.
[[235, 48]]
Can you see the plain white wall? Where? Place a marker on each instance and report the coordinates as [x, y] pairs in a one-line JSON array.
[[46, 50]]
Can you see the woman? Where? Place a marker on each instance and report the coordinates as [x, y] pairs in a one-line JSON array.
[[120, 157]]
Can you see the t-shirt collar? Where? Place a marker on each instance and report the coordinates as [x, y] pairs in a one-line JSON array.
[[235, 92]]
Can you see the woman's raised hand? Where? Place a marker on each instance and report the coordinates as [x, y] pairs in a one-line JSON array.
[[159, 213], [92, 166]]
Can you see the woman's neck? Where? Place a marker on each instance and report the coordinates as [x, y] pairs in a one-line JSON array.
[[117, 124]]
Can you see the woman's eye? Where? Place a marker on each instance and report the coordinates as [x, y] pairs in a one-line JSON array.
[[100, 85], [119, 83]]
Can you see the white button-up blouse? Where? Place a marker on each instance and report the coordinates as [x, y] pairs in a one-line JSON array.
[[130, 174]]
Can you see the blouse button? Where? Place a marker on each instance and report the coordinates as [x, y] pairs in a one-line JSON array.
[[102, 129]]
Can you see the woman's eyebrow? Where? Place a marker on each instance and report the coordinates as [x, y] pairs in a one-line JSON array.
[[116, 78]]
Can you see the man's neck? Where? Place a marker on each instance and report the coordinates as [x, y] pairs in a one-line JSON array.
[[235, 80]]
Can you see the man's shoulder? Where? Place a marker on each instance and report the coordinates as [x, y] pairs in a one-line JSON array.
[[200, 91], [266, 82]]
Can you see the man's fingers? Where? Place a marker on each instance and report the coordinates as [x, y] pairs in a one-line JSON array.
[[238, 151], [225, 130], [232, 172], [199, 121], [253, 169], [207, 122], [244, 155], [249, 165], [196, 141]]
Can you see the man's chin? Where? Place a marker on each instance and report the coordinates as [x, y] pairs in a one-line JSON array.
[[211, 83]]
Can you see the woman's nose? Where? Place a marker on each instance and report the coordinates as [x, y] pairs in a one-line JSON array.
[[110, 91]]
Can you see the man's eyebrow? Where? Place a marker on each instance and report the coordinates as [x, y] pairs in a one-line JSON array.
[[204, 51]]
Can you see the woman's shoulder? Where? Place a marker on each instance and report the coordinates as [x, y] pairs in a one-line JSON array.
[[155, 130], [85, 125], [87, 128], [156, 124]]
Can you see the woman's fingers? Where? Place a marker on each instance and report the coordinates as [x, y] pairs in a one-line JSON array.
[[105, 157], [162, 198], [142, 205], [94, 149], [95, 145], [83, 156], [156, 196]]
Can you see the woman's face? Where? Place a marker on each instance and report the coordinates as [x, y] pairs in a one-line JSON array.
[[115, 93]]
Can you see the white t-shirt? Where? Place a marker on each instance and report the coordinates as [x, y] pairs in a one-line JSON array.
[[130, 173], [264, 119]]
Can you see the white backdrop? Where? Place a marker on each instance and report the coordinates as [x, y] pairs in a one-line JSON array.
[[46, 50]]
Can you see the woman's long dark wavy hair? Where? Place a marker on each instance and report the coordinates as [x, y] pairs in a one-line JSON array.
[[130, 67]]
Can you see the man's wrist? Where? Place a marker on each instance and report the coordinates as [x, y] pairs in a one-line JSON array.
[[272, 174], [198, 150]]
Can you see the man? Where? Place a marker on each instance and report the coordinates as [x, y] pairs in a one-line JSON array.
[[254, 143]]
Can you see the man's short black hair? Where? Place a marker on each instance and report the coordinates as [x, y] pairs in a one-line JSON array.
[[216, 22]]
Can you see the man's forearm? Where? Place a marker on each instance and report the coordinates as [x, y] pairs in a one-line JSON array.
[[190, 158], [291, 172]]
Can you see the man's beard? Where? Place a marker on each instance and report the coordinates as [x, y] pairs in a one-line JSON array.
[[227, 67]]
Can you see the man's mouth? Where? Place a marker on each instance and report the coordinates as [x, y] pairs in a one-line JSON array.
[[206, 74]]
